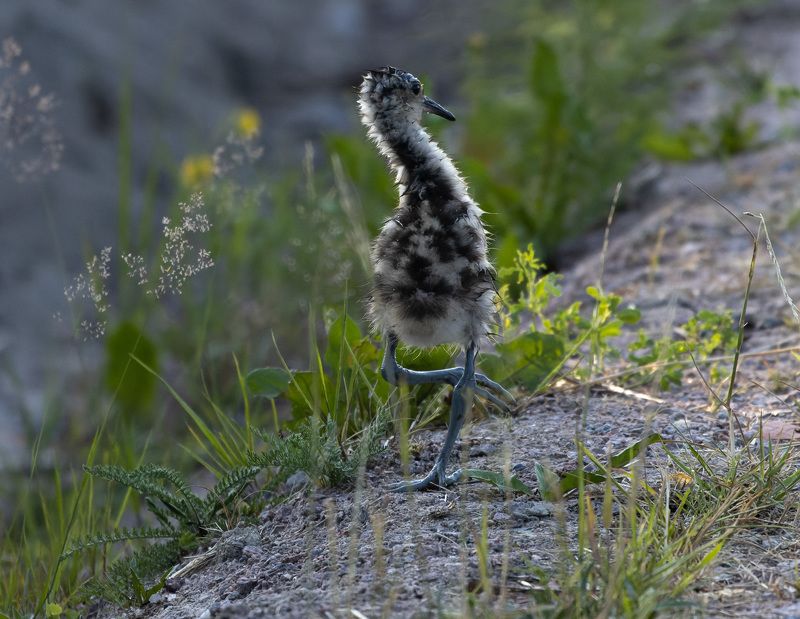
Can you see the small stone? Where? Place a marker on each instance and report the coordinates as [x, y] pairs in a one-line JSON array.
[[500, 517], [541, 509], [245, 586], [298, 480], [251, 551], [231, 544], [531, 510], [683, 424], [484, 449], [156, 598], [771, 542], [722, 415], [173, 584]]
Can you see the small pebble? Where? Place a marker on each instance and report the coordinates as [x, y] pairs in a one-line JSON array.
[[298, 480], [683, 424], [485, 449], [533, 509], [245, 586], [500, 517], [251, 551], [541, 509]]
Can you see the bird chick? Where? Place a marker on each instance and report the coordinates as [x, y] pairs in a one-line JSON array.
[[433, 283]]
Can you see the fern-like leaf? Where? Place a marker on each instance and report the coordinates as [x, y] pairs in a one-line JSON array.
[[227, 489], [120, 535]]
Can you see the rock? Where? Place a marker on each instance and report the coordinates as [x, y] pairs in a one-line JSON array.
[[484, 449], [231, 544], [500, 517], [245, 586], [297, 481], [252, 551], [530, 510], [682, 424]]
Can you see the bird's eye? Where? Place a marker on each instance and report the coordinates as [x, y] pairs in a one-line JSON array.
[[416, 87]]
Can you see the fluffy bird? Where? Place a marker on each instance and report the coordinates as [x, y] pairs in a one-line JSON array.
[[433, 282]]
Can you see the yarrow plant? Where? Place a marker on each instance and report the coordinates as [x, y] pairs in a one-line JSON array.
[[30, 144], [180, 259], [91, 285]]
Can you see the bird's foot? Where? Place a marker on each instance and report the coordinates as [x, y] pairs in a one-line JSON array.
[[494, 392], [435, 479], [484, 387]]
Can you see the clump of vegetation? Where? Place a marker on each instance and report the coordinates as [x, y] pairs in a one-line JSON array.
[[643, 543], [664, 358], [183, 518]]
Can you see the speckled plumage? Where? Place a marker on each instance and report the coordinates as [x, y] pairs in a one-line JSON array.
[[433, 281]]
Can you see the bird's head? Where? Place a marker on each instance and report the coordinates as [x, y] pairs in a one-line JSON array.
[[393, 93]]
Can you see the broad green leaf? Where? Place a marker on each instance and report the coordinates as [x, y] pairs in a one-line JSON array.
[[548, 481], [526, 360], [309, 390], [551, 485], [611, 329], [52, 610], [505, 251], [268, 382], [422, 359], [669, 146], [545, 75], [594, 292], [629, 315], [367, 353], [133, 386], [343, 335], [499, 480], [627, 455]]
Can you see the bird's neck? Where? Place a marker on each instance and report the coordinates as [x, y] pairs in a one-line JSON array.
[[414, 157]]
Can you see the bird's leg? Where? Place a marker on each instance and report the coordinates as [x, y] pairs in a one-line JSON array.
[[394, 373], [462, 401]]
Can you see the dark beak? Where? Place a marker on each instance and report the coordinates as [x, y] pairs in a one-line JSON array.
[[429, 105]]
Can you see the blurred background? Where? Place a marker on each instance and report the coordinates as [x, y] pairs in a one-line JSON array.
[[112, 115]]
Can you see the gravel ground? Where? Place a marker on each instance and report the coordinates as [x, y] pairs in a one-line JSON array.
[[322, 553]]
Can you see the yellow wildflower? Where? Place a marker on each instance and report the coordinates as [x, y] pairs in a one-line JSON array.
[[248, 123], [197, 170]]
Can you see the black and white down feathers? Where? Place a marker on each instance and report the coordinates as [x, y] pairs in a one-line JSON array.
[[433, 283]]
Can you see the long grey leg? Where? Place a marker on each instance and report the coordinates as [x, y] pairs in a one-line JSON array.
[[394, 373], [462, 401]]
